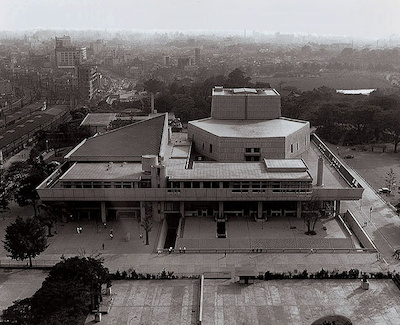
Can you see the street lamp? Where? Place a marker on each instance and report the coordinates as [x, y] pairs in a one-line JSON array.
[[370, 214]]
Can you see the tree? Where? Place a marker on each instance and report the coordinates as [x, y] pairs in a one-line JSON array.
[[311, 213], [19, 313], [66, 296], [237, 79], [153, 86], [5, 195], [147, 222], [26, 194], [47, 216], [25, 239], [390, 179], [391, 126]]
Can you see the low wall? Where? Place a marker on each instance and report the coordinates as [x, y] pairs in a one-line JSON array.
[[163, 235], [358, 230]]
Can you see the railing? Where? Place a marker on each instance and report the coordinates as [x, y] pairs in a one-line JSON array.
[[36, 263], [205, 194], [323, 250]]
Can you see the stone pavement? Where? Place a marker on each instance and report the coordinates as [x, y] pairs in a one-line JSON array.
[[127, 250]]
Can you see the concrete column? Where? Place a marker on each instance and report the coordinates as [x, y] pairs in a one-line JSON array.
[[259, 209], [103, 212], [337, 207], [182, 208], [162, 206], [142, 211], [156, 211], [298, 213], [221, 208]]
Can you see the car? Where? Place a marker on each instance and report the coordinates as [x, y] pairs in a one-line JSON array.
[[384, 190], [348, 157]]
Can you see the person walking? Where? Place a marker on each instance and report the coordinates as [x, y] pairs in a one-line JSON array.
[[102, 246], [184, 249], [111, 236]]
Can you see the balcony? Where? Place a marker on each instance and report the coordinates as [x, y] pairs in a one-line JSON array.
[[195, 194]]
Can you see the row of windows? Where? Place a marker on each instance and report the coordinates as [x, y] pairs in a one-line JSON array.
[[241, 185], [141, 184], [174, 185]]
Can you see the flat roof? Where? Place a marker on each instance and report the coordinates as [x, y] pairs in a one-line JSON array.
[[288, 164], [280, 127], [99, 119], [220, 91], [103, 171], [210, 171]]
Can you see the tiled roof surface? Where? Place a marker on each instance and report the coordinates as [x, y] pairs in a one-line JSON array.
[[131, 141], [249, 128]]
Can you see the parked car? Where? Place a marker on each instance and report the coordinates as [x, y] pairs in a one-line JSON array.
[[348, 157], [384, 190]]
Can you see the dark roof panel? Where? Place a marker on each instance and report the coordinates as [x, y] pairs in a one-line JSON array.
[[127, 143]]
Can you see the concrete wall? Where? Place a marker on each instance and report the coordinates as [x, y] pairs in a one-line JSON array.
[[357, 230], [299, 141], [233, 149], [263, 107], [245, 106], [231, 107]]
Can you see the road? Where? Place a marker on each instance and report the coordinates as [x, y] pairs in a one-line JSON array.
[[382, 222]]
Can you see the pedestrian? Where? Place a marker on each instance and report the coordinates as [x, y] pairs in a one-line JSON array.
[[80, 230], [77, 230], [141, 236], [180, 250], [105, 225], [159, 252], [111, 236], [225, 254], [184, 249], [111, 231], [102, 246], [170, 250]]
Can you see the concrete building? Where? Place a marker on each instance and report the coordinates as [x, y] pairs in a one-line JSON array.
[[89, 81], [67, 55], [244, 161], [197, 57], [5, 87]]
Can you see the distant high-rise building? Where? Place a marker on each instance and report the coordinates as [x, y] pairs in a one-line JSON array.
[[66, 55], [88, 81], [64, 41], [197, 57], [167, 60]]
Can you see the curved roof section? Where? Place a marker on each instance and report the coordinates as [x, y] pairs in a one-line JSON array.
[[280, 127], [128, 143]]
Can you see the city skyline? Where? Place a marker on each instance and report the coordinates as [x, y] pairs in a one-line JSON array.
[[354, 18]]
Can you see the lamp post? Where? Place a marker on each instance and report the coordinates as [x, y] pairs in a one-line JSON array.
[[370, 214]]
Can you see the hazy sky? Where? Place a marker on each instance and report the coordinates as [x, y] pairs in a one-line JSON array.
[[364, 18]]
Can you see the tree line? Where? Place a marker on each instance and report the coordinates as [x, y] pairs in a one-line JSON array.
[[337, 118]]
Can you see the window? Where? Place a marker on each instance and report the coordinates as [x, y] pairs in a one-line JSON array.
[[252, 154], [252, 158], [291, 148], [211, 148]]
